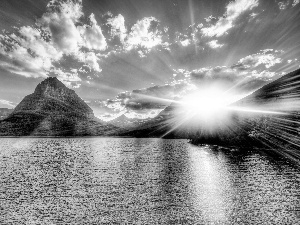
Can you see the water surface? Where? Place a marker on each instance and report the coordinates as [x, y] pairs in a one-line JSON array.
[[143, 181]]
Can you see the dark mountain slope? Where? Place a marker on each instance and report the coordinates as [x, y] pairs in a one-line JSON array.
[[278, 130]]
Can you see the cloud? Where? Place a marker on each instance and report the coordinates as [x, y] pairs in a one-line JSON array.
[[92, 35], [146, 114], [210, 18], [214, 44], [7, 103], [233, 11], [296, 2], [185, 42], [70, 79], [60, 20], [249, 73], [35, 51], [283, 5], [118, 27], [143, 103], [267, 58], [90, 60], [18, 60], [144, 34]]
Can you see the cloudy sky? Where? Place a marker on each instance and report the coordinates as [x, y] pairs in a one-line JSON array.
[[126, 56]]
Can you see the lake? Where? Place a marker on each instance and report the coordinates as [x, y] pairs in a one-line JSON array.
[[143, 181]]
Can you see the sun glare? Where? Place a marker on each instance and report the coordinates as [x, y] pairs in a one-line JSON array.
[[207, 108]]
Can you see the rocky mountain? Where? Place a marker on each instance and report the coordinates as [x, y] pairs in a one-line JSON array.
[[52, 110], [4, 113]]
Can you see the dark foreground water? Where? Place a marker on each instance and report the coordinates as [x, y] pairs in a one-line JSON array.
[[142, 181]]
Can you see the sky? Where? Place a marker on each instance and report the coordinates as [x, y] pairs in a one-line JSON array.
[[132, 56]]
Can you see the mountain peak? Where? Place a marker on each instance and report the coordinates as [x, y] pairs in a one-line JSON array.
[[50, 84], [51, 96]]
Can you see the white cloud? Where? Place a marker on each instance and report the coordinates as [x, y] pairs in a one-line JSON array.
[[92, 37], [185, 42], [32, 50], [19, 61], [118, 27], [265, 74], [214, 44], [283, 5], [143, 115], [233, 11], [90, 60], [70, 79], [141, 35], [60, 21], [268, 58], [210, 18], [296, 2]]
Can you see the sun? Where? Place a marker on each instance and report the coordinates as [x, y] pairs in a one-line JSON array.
[[207, 103], [206, 108]]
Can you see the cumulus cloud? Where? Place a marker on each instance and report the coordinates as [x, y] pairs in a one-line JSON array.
[[185, 42], [60, 20], [90, 59], [144, 34], [92, 37], [32, 51], [233, 11], [295, 2], [247, 74], [27, 53], [267, 58], [118, 27], [214, 44], [283, 5]]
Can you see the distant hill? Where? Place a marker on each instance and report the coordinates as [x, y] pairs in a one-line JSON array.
[[52, 110], [4, 113], [160, 126], [286, 89]]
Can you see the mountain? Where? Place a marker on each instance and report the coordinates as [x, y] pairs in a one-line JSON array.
[[286, 89], [4, 112], [52, 110], [163, 125], [125, 122]]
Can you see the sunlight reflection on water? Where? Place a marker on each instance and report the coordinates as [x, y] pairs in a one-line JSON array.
[[142, 181]]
